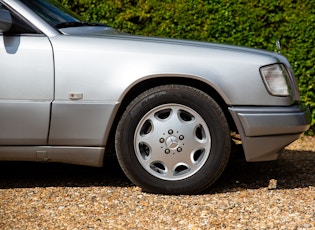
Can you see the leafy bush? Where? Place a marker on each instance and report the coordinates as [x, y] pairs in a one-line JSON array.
[[256, 24]]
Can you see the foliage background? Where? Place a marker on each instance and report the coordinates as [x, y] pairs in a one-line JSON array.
[[253, 23]]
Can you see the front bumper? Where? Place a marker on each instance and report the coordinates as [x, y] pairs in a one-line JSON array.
[[265, 131]]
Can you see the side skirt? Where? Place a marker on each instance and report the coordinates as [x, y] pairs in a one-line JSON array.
[[90, 156]]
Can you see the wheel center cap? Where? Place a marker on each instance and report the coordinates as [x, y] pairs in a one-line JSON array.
[[172, 142]]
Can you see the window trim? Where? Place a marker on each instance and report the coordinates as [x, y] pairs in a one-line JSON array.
[[18, 16]]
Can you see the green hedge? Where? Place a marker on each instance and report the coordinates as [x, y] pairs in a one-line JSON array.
[[241, 22]]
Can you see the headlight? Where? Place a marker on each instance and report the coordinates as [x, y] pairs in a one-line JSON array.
[[276, 78]]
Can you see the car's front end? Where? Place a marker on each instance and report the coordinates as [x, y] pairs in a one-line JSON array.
[[168, 106], [265, 130]]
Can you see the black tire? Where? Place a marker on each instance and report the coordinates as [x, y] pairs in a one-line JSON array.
[[173, 139]]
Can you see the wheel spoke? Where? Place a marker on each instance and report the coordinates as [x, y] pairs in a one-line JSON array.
[[165, 140], [172, 142]]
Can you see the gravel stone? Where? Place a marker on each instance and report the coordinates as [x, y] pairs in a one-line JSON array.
[[264, 195]]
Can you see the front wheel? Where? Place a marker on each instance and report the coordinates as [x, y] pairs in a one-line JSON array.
[[173, 139]]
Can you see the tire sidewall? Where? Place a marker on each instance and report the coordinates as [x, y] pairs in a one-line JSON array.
[[206, 107]]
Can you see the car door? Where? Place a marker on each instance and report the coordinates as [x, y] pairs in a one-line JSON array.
[[26, 84]]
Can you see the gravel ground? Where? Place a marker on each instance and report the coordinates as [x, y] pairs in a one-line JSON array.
[[268, 195]]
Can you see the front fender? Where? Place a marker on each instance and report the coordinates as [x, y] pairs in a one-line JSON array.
[[106, 68]]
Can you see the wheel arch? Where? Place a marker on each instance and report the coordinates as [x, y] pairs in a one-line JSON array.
[[159, 81]]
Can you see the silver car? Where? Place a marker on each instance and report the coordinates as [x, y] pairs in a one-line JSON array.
[[72, 92]]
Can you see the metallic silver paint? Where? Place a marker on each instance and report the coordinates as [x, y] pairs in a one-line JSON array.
[[90, 156], [79, 123], [271, 121], [265, 131], [24, 122], [120, 61], [27, 68], [39, 72]]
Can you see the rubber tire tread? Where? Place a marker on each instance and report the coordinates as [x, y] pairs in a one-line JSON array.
[[201, 103]]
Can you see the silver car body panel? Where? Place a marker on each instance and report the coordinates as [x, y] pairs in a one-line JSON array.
[[80, 123], [26, 89], [265, 131], [24, 122], [266, 121], [27, 68], [120, 62], [91, 156], [71, 82]]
